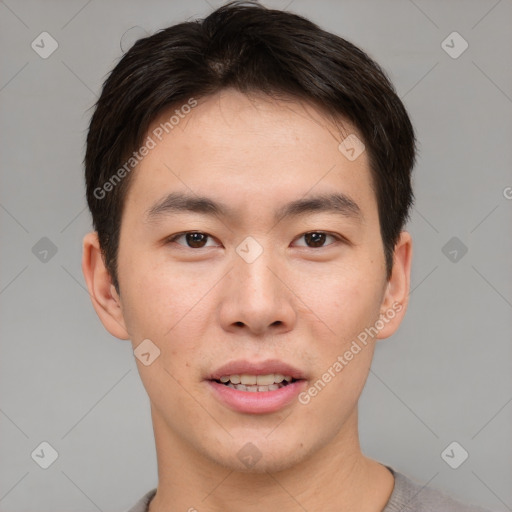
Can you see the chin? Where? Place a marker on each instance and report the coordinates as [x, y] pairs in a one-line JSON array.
[[259, 456]]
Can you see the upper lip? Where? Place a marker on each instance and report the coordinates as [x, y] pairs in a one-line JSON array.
[[260, 368]]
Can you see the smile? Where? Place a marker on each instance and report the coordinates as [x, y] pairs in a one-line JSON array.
[[256, 383]]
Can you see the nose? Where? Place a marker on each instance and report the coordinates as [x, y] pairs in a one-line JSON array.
[[257, 298]]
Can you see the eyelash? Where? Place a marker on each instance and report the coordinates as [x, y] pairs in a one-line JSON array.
[[338, 238]]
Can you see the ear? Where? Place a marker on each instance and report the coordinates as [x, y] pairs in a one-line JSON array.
[[103, 294], [396, 295]]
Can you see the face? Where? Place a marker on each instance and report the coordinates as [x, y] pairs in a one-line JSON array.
[[250, 248]]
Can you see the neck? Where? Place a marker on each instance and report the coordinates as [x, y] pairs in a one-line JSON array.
[[336, 477]]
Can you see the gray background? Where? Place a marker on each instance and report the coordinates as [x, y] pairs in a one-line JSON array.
[[445, 376]]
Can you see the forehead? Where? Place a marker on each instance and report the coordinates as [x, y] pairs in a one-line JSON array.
[[249, 150]]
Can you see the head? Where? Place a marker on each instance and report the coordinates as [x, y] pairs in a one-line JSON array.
[[250, 123]]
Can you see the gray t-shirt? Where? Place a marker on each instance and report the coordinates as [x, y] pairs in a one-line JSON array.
[[407, 496]]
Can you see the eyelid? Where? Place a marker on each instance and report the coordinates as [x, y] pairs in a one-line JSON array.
[[336, 236], [172, 239]]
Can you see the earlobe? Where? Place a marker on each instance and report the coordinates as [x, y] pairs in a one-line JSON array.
[[104, 297], [396, 296]]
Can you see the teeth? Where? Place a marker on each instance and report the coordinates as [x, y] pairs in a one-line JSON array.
[[265, 380], [235, 379], [256, 388], [247, 380]]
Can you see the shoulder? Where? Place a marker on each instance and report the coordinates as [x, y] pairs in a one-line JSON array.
[[411, 496], [143, 503]]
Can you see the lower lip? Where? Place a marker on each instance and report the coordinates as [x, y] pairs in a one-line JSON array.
[[258, 402]]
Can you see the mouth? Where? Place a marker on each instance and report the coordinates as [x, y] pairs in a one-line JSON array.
[[256, 388], [256, 383]]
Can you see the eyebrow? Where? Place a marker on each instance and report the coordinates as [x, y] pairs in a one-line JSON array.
[[179, 202]]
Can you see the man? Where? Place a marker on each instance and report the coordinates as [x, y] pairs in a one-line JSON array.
[[249, 180]]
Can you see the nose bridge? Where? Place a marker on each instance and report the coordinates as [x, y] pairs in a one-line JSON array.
[[258, 299], [252, 269]]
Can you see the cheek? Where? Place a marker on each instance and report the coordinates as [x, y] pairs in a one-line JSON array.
[[346, 305], [346, 299], [147, 301], [165, 306], [161, 308]]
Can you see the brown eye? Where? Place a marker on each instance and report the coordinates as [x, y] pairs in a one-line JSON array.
[[315, 239], [196, 240], [193, 239]]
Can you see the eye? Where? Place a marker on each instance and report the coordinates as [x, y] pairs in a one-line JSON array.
[[193, 239], [317, 239]]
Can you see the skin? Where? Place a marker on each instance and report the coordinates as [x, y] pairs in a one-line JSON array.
[[203, 307]]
